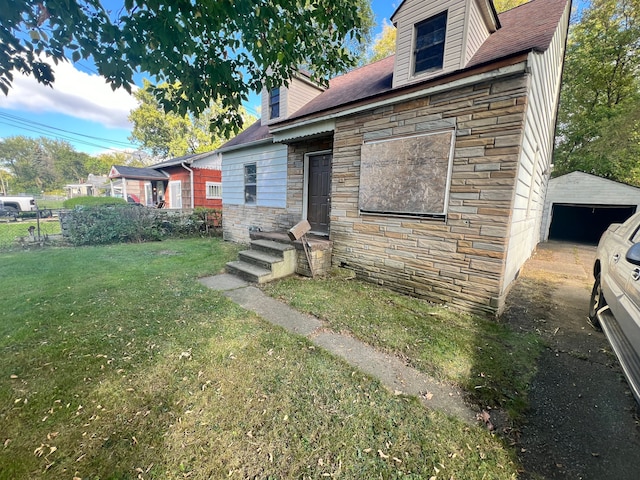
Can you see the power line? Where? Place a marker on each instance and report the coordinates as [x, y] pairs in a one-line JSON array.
[[32, 123], [58, 136]]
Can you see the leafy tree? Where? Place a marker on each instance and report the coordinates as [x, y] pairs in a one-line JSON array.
[[68, 164], [210, 50], [41, 164], [599, 116], [385, 43], [504, 5], [27, 162], [170, 134], [101, 164]]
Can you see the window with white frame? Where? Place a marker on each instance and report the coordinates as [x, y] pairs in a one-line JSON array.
[[429, 46], [250, 184], [214, 190]]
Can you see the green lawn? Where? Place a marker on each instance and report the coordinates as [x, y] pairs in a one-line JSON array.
[[115, 363], [11, 231], [491, 362]]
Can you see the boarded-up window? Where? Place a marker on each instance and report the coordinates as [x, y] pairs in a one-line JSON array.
[[407, 175]]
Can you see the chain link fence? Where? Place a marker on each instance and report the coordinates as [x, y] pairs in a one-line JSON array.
[[30, 228]]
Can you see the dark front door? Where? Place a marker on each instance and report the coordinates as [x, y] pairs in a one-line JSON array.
[[319, 192]]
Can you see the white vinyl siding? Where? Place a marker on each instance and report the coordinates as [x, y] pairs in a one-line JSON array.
[[209, 162], [476, 34], [292, 98], [413, 12], [537, 147], [271, 167], [300, 93]]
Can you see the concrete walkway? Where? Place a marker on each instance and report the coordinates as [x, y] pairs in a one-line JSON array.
[[390, 370]]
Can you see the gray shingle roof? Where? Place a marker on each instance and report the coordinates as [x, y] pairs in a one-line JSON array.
[[137, 173], [529, 27]]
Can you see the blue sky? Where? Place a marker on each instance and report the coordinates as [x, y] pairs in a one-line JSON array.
[[83, 110]]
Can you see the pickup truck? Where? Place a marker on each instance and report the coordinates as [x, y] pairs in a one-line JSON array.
[[615, 298], [17, 205]]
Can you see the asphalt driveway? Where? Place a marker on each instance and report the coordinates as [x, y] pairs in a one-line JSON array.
[[583, 421]]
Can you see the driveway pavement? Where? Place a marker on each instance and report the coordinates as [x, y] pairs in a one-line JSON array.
[[583, 422]]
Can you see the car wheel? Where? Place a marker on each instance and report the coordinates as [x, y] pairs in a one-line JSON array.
[[596, 303]]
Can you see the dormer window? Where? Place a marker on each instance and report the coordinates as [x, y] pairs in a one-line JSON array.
[[429, 50], [274, 103]]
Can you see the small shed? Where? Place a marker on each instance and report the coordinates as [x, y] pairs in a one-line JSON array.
[[579, 207]]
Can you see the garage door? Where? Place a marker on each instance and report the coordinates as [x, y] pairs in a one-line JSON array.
[[585, 223]]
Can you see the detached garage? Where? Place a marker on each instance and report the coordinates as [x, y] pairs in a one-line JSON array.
[[579, 207]]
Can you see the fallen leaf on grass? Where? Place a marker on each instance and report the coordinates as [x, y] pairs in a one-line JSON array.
[[382, 455]]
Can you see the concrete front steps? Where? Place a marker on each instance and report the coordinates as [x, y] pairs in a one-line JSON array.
[[266, 261]]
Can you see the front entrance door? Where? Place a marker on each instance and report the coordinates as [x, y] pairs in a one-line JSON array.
[[319, 192]]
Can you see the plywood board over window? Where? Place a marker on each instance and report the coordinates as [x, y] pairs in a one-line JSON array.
[[407, 175]]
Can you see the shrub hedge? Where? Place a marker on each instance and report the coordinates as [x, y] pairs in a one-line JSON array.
[[120, 223], [91, 202]]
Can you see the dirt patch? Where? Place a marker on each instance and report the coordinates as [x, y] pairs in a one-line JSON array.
[[583, 422]]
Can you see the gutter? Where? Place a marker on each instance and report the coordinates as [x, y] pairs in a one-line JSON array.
[[190, 182]]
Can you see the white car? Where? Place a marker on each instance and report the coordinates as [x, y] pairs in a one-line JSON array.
[[615, 298]]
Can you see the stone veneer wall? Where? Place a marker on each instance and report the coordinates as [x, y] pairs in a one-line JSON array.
[[320, 253], [459, 260]]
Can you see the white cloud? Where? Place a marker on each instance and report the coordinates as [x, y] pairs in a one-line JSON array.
[[74, 93]]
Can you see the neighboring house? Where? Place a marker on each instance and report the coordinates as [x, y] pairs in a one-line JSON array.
[[427, 170], [180, 183], [579, 207], [95, 186]]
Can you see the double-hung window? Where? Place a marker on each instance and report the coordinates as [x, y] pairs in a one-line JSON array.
[[250, 184], [430, 37], [274, 103]]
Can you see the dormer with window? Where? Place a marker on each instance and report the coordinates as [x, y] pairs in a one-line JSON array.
[[280, 102], [435, 37]]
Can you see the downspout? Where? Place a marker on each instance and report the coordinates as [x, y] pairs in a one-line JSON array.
[[190, 183]]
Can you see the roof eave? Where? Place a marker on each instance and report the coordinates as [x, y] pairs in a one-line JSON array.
[[245, 145], [390, 94]]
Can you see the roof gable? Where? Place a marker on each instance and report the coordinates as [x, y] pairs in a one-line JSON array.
[[524, 29], [576, 177]]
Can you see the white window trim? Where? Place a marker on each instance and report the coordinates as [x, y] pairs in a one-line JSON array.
[[213, 184], [412, 59]]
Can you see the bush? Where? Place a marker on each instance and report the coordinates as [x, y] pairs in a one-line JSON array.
[[91, 202], [104, 224]]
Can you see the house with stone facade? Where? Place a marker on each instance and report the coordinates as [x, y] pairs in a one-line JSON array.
[[426, 171]]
